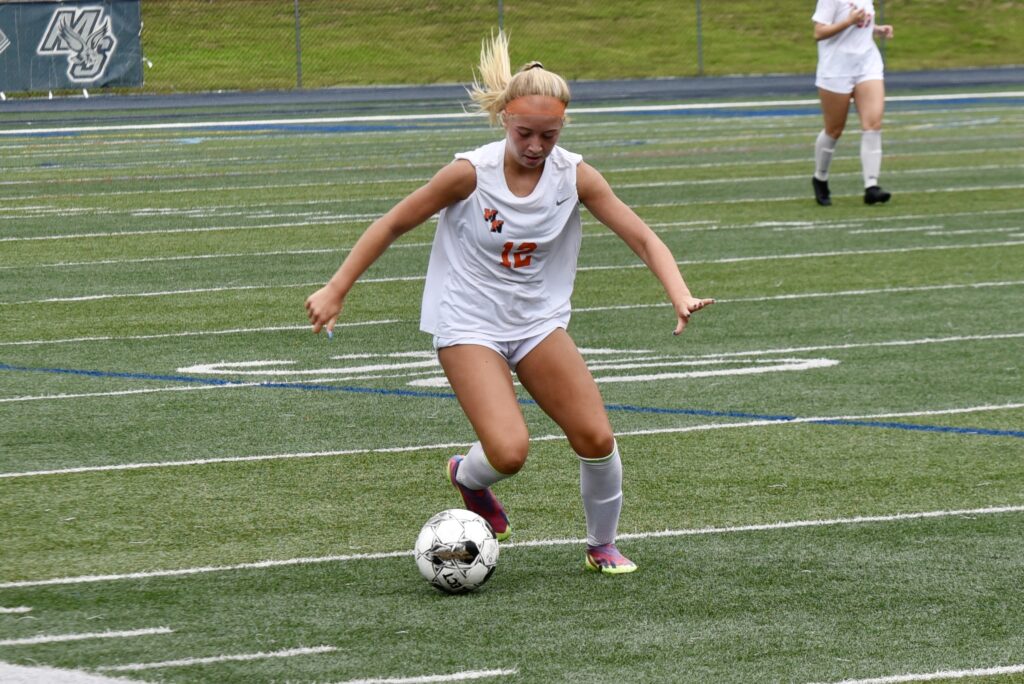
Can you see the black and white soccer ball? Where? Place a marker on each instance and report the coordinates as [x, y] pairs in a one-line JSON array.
[[456, 551]]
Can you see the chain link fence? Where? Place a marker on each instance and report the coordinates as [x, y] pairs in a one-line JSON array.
[[209, 45], [280, 44]]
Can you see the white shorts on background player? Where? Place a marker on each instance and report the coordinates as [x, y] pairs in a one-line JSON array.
[[851, 56], [502, 267]]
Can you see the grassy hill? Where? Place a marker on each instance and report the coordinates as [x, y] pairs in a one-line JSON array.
[[230, 44]]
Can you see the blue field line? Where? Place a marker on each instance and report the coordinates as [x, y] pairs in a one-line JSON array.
[[921, 428], [352, 389]]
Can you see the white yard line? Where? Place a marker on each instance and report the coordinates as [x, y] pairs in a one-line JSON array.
[[15, 610], [466, 676], [946, 674], [538, 438], [185, 125], [660, 227], [23, 674], [766, 527], [818, 295], [122, 393], [362, 218], [392, 279], [686, 182], [376, 167], [188, 662], [84, 636], [194, 333]]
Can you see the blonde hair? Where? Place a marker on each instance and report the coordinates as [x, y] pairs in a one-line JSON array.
[[497, 86]]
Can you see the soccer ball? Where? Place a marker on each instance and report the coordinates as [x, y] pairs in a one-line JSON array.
[[456, 551]]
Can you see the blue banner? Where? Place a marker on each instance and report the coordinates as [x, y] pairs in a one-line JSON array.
[[56, 45]]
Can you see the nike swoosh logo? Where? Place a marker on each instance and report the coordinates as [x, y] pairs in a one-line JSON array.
[[562, 201]]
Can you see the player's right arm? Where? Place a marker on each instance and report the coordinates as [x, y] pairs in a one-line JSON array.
[[451, 184]]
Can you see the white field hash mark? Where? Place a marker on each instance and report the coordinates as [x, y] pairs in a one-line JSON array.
[[763, 527], [55, 638], [186, 662]]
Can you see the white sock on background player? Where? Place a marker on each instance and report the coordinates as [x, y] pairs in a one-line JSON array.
[[871, 156], [824, 148]]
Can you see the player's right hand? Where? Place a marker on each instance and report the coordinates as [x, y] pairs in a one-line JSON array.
[[323, 308]]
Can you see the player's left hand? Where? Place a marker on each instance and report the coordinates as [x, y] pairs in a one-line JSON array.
[[883, 31], [687, 307]]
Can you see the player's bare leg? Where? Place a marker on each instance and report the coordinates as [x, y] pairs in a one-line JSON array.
[[556, 376], [482, 383]]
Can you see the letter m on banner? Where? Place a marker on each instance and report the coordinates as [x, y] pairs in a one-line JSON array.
[[84, 35]]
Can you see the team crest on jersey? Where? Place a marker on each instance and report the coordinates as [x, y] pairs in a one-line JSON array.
[[491, 217], [85, 36]]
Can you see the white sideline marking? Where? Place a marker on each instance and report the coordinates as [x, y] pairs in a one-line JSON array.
[[538, 438], [258, 565], [185, 662], [613, 267], [430, 679], [15, 610], [948, 674], [22, 674], [55, 638], [182, 125]]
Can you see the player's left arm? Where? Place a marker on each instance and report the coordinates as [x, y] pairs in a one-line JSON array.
[[599, 199]]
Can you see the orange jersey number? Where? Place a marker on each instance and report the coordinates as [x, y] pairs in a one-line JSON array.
[[520, 257]]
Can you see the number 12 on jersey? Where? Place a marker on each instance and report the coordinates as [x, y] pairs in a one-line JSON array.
[[520, 257]]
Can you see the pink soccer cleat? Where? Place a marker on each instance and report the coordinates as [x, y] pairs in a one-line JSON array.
[[608, 560], [482, 502]]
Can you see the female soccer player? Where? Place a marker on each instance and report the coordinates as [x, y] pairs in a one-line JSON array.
[[849, 67], [497, 291]]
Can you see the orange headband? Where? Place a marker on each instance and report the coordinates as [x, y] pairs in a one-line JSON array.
[[536, 105]]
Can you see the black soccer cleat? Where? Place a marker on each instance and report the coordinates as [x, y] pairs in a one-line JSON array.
[[821, 192], [876, 195]]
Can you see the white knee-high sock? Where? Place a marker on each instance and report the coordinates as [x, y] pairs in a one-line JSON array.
[[601, 487], [824, 147], [475, 471], [871, 156]]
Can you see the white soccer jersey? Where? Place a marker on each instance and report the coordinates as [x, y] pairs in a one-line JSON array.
[[852, 51], [502, 267]]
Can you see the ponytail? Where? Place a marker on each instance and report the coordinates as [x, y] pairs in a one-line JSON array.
[[497, 86]]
